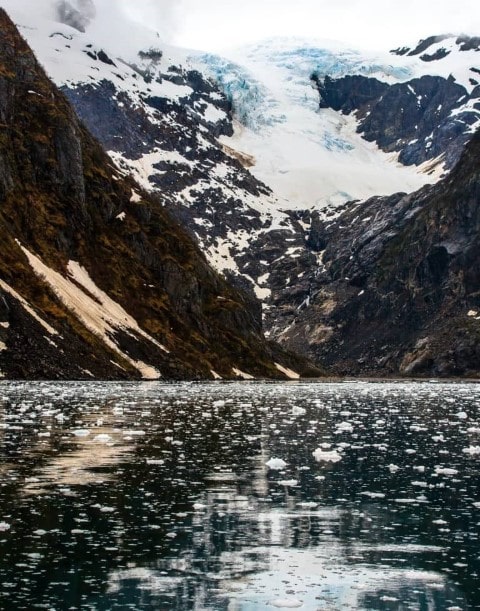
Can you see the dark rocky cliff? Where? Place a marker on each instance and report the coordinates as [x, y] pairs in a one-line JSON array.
[[96, 279], [398, 290]]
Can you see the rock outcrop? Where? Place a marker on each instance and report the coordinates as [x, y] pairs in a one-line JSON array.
[[398, 287]]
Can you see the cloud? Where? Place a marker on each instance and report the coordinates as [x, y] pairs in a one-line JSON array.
[[78, 13], [216, 24], [381, 24], [164, 16]]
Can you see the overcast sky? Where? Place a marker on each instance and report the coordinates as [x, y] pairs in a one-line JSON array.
[[382, 24]]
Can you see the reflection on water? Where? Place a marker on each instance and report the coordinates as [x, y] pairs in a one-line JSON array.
[[239, 496]]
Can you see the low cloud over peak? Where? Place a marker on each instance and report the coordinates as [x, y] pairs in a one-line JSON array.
[[76, 13]]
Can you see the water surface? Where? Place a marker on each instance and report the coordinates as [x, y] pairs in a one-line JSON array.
[[239, 496]]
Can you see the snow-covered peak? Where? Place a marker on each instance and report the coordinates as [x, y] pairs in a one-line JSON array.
[[446, 55]]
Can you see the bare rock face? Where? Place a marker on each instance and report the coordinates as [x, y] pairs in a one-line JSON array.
[[76, 13], [96, 278], [423, 119], [398, 288]]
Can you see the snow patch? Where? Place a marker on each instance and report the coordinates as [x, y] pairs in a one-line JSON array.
[[292, 375], [94, 308], [242, 374], [8, 289]]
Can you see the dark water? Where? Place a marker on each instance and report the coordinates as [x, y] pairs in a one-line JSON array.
[[157, 496]]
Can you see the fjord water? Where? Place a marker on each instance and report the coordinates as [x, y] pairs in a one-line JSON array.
[[159, 496]]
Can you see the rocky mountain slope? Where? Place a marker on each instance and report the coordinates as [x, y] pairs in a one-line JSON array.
[[96, 279], [204, 132], [263, 155], [398, 288]]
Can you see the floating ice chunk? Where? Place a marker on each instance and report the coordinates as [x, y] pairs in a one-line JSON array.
[[462, 415], [4, 526], [286, 603], [440, 522], [81, 433], [298, 411], [326, 456], [473, 429], [393, 468], [155, 461], [420, 484], [288, 482], [374, 495], [344, 427], [219, 403], [472, 450], [199, 506], [276, 464], [445, 471]]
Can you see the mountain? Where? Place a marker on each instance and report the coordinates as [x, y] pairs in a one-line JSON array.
[[243, 150], [261, 155], [96, 279], [398, 288]]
